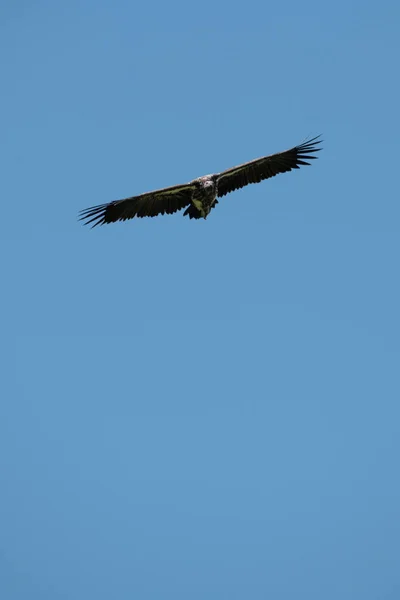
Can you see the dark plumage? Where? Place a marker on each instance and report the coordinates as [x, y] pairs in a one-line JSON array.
[[200, 195]]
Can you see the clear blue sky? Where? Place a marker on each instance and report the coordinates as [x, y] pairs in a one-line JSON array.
[[202, 409]]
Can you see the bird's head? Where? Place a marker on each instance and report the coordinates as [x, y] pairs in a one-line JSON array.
[[206, 182]]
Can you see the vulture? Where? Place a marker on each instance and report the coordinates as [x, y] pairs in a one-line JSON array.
[[200, 195]]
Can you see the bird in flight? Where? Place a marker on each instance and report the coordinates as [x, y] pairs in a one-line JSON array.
[[199, 196]]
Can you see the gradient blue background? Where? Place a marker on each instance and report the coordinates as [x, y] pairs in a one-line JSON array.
[[200, 409]]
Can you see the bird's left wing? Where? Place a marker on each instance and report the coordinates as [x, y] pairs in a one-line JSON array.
[[268, 166], [166, 200]]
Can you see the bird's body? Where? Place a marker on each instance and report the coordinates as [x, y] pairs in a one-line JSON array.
[[200, 195], [204, 194]]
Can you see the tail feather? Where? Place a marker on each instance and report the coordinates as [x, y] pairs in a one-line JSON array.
[[193, 213]]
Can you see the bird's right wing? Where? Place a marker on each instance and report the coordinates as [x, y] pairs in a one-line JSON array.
[[164, 201]]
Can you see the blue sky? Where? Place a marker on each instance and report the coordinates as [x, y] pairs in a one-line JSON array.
[[202, 409]]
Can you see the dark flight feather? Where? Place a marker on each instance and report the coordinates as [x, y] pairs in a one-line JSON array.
[[164, 201], [268, 166]]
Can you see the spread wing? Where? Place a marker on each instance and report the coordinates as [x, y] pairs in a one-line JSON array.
[[165, 201], [268, 166]]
